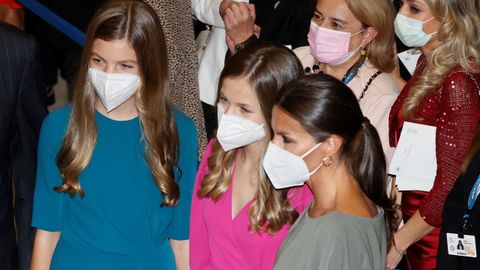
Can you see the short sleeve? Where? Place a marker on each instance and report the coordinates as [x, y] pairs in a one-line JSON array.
[[188, 164], [48, 204]]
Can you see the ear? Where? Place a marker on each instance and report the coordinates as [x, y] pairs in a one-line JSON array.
[[333, 145], [368, 35]]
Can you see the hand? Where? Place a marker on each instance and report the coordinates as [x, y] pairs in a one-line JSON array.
[[224, 5], [240, 22]]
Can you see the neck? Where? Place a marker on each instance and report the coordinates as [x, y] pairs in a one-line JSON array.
[[432, 44], [338, 71], [126, 111], [331, 186], [251, 154]]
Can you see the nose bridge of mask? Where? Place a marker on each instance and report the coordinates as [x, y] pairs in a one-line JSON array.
[[235, 131], [246, 124]]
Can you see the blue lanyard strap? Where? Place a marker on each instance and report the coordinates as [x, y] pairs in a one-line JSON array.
[[352, 71], [472, 197]]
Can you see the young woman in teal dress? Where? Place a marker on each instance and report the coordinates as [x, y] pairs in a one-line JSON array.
[[116, 168]]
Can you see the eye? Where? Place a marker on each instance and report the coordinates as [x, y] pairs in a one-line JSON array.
[[125, 66], [244, 109], [285, 139], [222, 99], [414, 9], [336, 25], [97, 60], [317, 16]]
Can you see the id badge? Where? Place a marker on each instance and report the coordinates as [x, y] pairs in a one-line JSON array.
[[464, 247]]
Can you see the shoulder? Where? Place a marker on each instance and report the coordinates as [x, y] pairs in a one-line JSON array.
[[183, 122], [303, 54], [185, 126], [56, 122], [14, 37], [300, 197], [461, 86], [459, 76], [383, 83]]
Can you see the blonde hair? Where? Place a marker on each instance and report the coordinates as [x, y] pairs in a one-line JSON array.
[[380, 15], [136, 22], [268, 68], [459, 38]]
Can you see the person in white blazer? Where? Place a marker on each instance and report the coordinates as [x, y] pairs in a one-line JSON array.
[[213, 58]]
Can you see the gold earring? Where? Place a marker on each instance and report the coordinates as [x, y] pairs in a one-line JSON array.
[[327, 161], [363, 51]]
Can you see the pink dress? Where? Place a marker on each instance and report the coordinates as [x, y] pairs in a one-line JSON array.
[[219, 242]]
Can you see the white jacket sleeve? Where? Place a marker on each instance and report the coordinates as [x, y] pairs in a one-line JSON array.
[[207, 11]]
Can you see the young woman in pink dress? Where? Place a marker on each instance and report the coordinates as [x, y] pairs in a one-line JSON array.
[[238, 218]]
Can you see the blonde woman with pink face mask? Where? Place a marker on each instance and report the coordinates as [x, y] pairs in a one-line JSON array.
[[352, 41]]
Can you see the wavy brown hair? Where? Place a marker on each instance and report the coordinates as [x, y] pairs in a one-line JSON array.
[[459, 38], [380, 15], [268, 68], [136, 22]]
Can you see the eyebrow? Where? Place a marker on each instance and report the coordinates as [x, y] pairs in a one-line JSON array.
[[121, 62], [245, 105], [284, 134], [333, 19]]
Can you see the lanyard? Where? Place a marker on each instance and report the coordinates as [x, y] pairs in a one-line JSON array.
[[352, 72], [472, 197]]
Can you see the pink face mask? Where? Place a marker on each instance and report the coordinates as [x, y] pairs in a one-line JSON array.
[[330, 46]]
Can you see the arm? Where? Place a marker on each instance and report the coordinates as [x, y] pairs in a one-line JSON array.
[[43, 248], [180, 250], [456, 126], [29, 114], [200, 254]]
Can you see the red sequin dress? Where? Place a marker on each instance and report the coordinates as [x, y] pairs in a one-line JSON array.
[[455, 111]]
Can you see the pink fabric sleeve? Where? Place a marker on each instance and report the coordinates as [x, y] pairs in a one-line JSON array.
[[456, 126], [200, 257]]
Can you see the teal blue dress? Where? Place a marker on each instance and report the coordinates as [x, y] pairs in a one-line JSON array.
[[119, 223]]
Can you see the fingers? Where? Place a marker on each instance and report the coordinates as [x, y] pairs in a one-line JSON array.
[[239, 23]]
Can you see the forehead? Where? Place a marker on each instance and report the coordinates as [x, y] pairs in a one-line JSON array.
[[335, 9], [283, 122], [238, 90], [114, 50]]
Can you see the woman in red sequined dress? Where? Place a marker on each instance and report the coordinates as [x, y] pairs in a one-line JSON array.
[[443, 92]]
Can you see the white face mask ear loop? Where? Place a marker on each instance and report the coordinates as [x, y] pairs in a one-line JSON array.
[[428, 20], [311, 150]]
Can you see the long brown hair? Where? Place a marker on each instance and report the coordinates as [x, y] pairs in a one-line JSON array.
[[324, 106], [268, 68], [136, 22]]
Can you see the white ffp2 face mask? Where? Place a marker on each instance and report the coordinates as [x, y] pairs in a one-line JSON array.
[[113, 89], [410, 31], [285, 169], [234, 131]]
